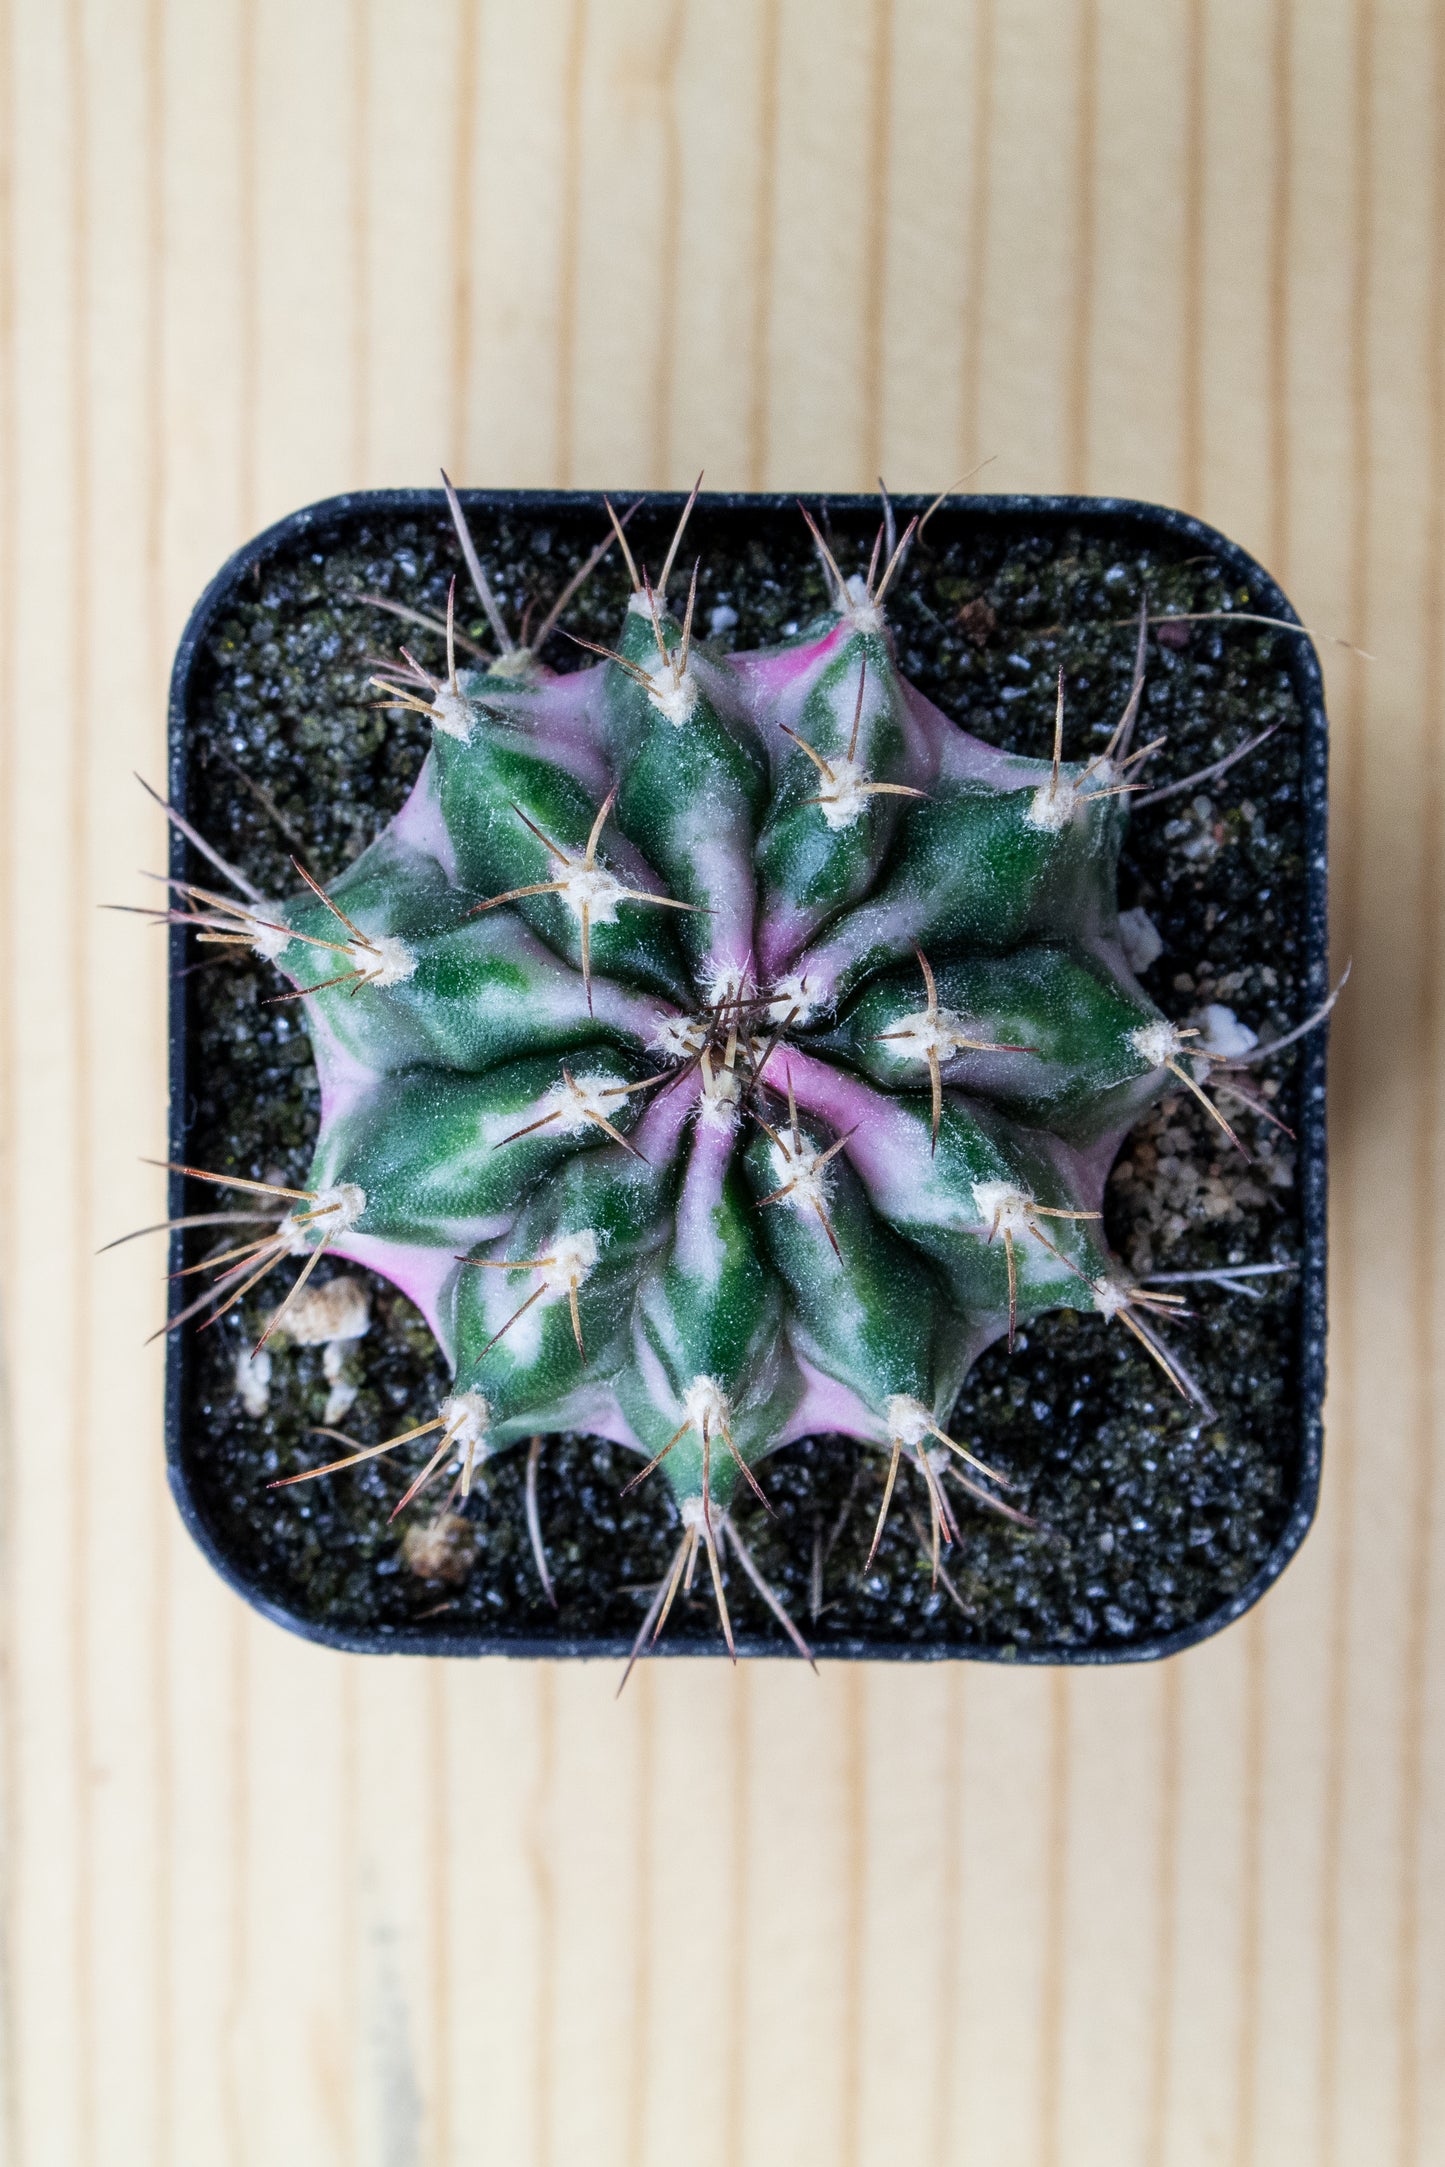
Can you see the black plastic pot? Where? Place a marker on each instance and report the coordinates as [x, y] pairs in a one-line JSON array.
[[282, 626]]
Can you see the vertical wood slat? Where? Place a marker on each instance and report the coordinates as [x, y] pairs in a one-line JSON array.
[[375, 1913], [9, 1112], [1420, 2019]]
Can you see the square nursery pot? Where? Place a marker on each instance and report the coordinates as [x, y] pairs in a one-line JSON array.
[[1155, 1527]]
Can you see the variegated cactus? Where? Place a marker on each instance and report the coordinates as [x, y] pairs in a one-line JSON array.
[[719, 1050]]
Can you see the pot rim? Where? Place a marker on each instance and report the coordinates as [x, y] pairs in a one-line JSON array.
[[1121, 514]]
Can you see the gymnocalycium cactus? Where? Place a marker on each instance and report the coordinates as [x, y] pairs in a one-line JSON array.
[[718, 1051]]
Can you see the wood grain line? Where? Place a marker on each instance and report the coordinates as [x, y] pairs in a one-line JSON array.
[[569, 244], [540, 1838], [248, 265], [359, 153], [664, 356], [439, 1908], [943, 2146], [10, 1829], [237, 1956], [1078, 393], [976, 273], [1281, 239], [875, 256], [734, 2109], [1247, 2040], [1055, 1924], [10, 1238], [9, 486], [1164, 2000], [348, 1845], [82, 1167], [159, 1634], [854, 1814], [464, 110], [1191, 311], [1430, 794], [1348, 883], [764, 248], [635, 2103]]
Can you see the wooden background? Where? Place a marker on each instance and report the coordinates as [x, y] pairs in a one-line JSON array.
[[264, 1904]]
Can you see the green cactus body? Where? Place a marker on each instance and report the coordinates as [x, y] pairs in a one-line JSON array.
[[724, 1050], [1067, 1020]]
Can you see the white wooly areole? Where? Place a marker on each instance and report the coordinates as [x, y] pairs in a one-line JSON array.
[[1057, 803], [560, 1273], [844, 784]]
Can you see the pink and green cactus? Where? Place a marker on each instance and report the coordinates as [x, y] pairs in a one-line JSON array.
[[718, 1051]]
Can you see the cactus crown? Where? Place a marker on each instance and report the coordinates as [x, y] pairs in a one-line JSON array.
[[719, 1051]]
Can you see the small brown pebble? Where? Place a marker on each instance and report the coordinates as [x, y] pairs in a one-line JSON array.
[[1173, 634], [978, 620], [329, 1309], [441, 1549]]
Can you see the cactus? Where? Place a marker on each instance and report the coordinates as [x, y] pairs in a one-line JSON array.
[[718, 1051]]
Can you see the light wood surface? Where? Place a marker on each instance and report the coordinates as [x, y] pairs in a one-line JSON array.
[[267, 1905]]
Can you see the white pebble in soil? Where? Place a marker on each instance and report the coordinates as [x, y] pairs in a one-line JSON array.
[[332, 1314], [1222, 1033], [1140, 939], [253, 1380]]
